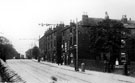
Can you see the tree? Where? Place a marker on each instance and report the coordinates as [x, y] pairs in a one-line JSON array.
[[7, 51], [35, 52], [106, 37], [10, 51], [29, 53]]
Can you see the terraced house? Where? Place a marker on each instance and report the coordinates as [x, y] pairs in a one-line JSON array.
[[50, 43]]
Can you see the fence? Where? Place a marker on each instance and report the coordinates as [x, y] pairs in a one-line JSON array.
[[8, 75]]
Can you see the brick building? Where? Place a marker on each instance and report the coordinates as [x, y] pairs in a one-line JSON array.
[[50, 43], [59, 43], [84, 38], [68, 42], [46, 43], [42, 45], [130, 25]]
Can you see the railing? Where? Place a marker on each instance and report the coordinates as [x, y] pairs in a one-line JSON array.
[[8, 75]]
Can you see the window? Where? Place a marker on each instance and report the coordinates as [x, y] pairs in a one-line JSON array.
[[63, 33], [54, 42], [51, 44], [70, 30], [71, 40], [63, 42]]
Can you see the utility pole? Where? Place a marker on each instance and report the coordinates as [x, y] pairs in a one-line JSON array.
[[124, 56], [76, 60]]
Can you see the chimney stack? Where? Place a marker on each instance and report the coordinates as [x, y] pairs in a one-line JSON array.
[[124, 18], [106, 15]]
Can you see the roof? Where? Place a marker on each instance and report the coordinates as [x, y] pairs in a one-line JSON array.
[[130, 24], [95, 21], [65, 28]]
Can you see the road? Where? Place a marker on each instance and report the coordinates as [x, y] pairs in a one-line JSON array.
[[34, 72]]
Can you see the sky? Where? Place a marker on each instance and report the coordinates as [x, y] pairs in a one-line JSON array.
[[19, 19]]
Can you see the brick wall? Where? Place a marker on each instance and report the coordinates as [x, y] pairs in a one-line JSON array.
[[99, 66]]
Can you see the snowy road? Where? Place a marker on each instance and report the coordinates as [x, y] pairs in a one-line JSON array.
[[34, 72]]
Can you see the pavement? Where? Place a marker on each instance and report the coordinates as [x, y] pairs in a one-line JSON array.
[[103, 75]]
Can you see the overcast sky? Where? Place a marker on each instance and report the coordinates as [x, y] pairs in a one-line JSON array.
[[19, 19]]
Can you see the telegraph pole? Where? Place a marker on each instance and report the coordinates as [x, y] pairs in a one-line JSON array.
[[76, 65]]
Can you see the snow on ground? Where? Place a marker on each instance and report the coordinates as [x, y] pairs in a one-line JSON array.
[[34, 72], [97, 77]]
